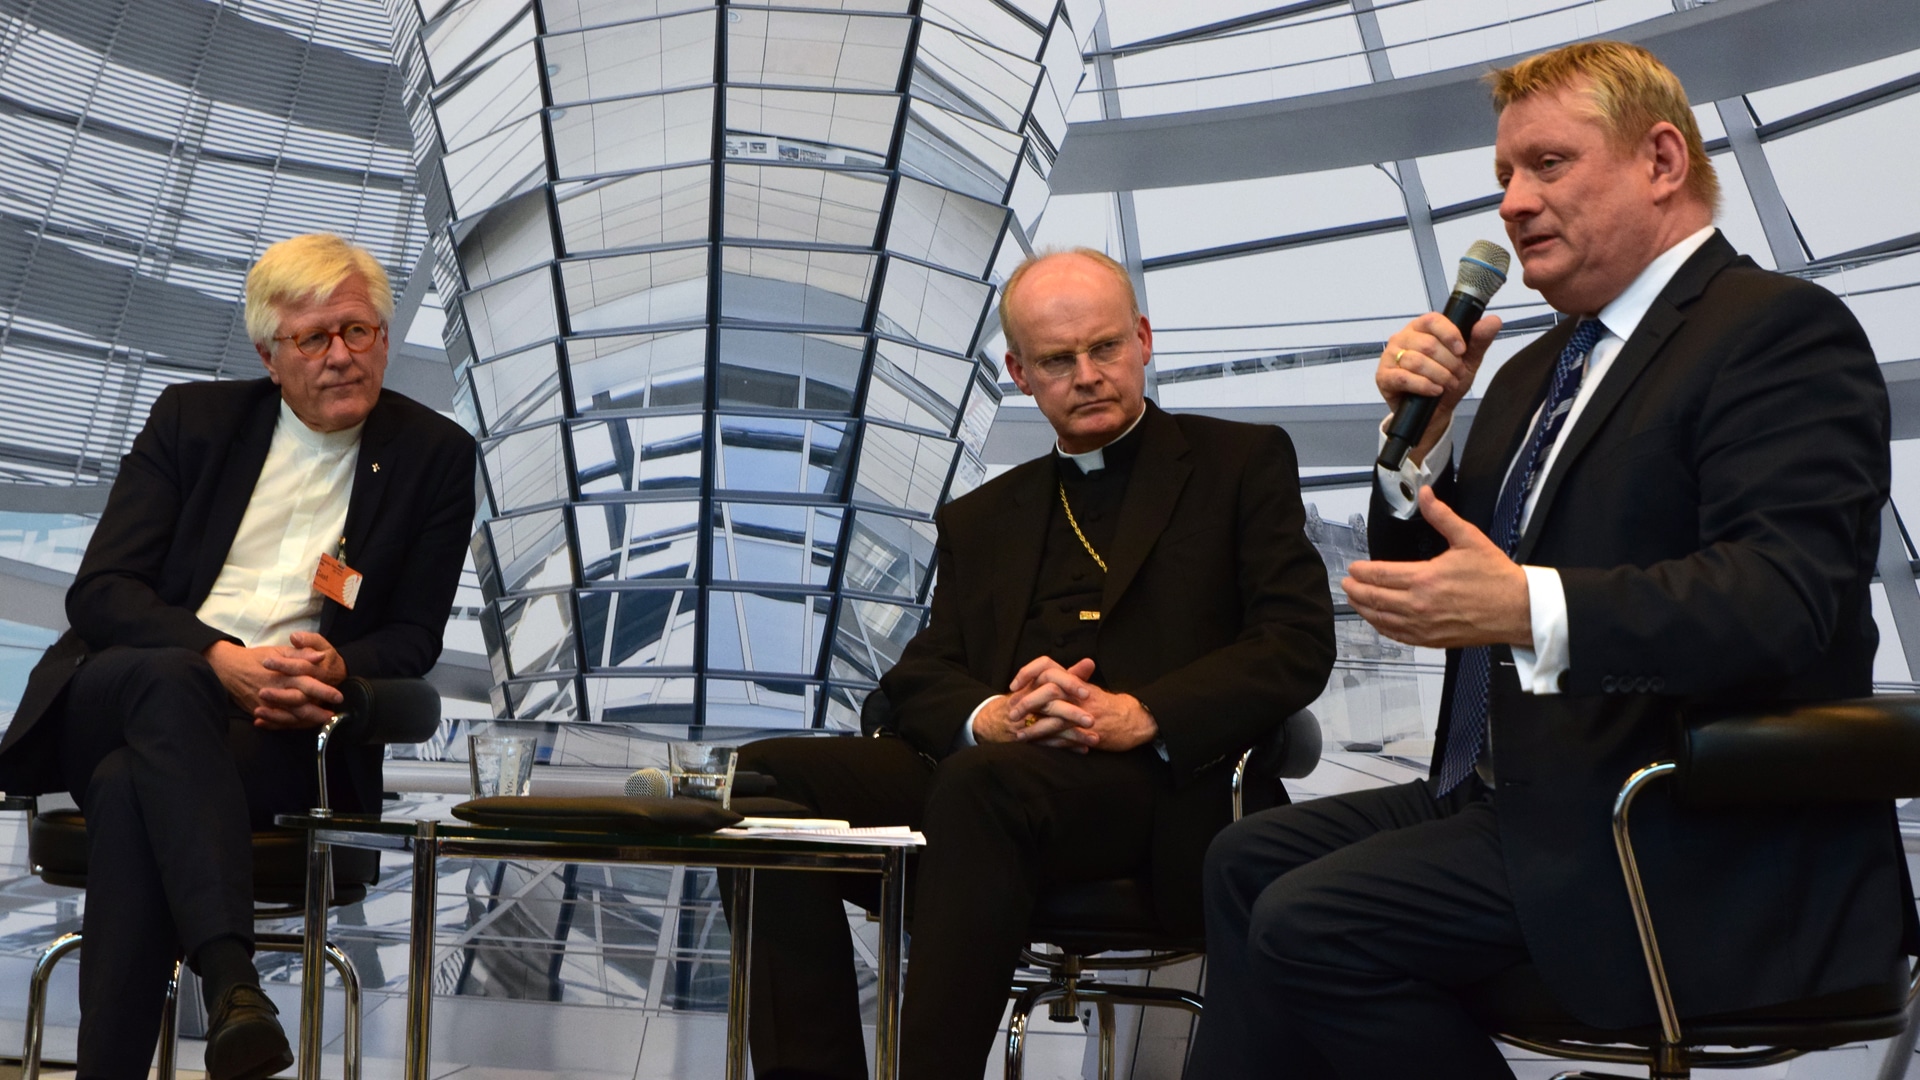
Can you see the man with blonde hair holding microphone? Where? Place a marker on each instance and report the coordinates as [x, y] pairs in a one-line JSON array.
[[1670, 501], [209, 633]]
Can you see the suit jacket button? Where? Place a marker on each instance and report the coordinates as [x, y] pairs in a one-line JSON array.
[[1657, 684], [1560, 682], [1608, 684]]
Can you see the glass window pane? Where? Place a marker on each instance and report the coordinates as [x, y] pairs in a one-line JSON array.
[[510, 314], [667, 206], [903, 470], [532, 551], [574, 14], [494, 168], [544, 699], [861, 123], [821, 206], [771, 454], [869, 637], [806, 288], [538, 632], [943, 227], [791, 48], [930, 307], [640, 700], [788, 371], [639, 370], [654, 453], [775, 544], [761, 704], [631, 134], [776, 633], [650, 541], [518, 389], [630, 58], [509, 238], [625, 291], [889, 555], [1849, 185], [960, 153], [638, 628], [526, 469]]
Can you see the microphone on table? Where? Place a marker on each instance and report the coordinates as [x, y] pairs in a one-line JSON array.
[[652, 783], [1483, 269], [649, 783]]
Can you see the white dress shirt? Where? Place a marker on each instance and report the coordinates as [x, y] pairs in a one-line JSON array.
[[297, 512], [1540, 667]]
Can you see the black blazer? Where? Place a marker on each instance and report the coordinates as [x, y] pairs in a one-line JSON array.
[[173, 512], [1217, 615], [1714, 518]]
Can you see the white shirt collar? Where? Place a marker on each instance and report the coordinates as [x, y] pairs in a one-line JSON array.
[[326, 442], [1096, 458], [1622, 316]]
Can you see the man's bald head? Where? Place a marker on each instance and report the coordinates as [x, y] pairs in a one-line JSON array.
[[1078, 262]]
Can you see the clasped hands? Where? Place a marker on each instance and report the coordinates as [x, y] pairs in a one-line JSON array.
[[283, 687], [1054, 706]]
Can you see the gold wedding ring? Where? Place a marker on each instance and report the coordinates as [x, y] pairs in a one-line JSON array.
[[1397, 356], [1029, 720]]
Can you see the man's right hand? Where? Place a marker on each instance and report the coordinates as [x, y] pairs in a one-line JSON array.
[[1428, 358], [245, 674]]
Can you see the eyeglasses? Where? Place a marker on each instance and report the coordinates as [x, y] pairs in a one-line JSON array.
[[358, 337], [1060, 365]]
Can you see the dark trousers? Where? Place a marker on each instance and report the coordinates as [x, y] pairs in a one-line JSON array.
[[172, 778], [1002, 822], [1335, 929]]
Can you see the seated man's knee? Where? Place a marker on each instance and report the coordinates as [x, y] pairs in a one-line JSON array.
[[979, 779], [110, 788]]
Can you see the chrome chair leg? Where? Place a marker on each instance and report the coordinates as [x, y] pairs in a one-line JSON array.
[[170, 1027], [350, 991], [1023, 1007], [1105, 1013], [37, 1003]]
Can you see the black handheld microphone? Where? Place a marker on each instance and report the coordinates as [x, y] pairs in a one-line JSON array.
[[1483, 269]]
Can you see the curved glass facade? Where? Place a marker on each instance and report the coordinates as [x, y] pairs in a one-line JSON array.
[[718, 279]]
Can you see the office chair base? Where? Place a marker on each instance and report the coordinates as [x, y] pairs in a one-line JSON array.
[[1063, 995], [169, 1019]]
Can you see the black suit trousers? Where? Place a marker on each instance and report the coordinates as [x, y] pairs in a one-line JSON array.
[[172, 778], [1336, 928], [1002, 823]]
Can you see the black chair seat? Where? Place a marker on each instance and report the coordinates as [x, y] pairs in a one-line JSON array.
[[1517, 1002], [57, 845], [1097, 916]]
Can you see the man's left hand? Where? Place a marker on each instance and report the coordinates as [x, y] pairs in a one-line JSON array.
[[1471, 595], [300, 703]]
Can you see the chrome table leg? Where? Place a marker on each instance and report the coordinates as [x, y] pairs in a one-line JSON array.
[[740, 984], [426, 883], [893, 926]]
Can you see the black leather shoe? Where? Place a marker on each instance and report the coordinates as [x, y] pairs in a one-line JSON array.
[[244, 1040]]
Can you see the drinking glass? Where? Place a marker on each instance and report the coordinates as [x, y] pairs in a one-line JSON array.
[[701, 771], [501, 764]]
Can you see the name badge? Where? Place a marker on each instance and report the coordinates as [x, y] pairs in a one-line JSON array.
[[337, 581]]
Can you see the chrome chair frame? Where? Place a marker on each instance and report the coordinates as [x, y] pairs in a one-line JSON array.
[[360, 697], [1062, 990], [1671, 1057]]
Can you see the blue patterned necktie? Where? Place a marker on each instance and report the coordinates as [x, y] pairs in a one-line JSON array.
[[1468, 729]]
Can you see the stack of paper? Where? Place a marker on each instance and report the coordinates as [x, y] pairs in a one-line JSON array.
[[825, 830]]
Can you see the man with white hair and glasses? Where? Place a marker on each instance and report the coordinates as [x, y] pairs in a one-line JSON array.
[[207, 644]]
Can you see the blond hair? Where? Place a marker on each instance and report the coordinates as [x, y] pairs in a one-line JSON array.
[[1630, 90], [305, 269], [1099, 258]]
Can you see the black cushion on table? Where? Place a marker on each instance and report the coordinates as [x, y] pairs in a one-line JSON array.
[[599, 813]]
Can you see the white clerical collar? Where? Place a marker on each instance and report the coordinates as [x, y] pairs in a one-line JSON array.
[[1622, 317], [1096, 458], [321, 441]]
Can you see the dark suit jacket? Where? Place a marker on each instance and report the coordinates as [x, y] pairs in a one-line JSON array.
[[1217, 615], [173, 513], [1714, 518]]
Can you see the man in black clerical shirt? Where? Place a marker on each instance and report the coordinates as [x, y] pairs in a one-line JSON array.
[[1112, 625]]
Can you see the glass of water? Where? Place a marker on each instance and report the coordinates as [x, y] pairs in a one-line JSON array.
[[701, 771], [501, 764]]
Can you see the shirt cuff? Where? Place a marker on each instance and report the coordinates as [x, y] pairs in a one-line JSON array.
[[1401, 488], [1540, 667], [964, 738]]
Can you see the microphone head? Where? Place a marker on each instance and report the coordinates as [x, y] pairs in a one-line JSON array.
[[1483, 269], [649, 783]]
